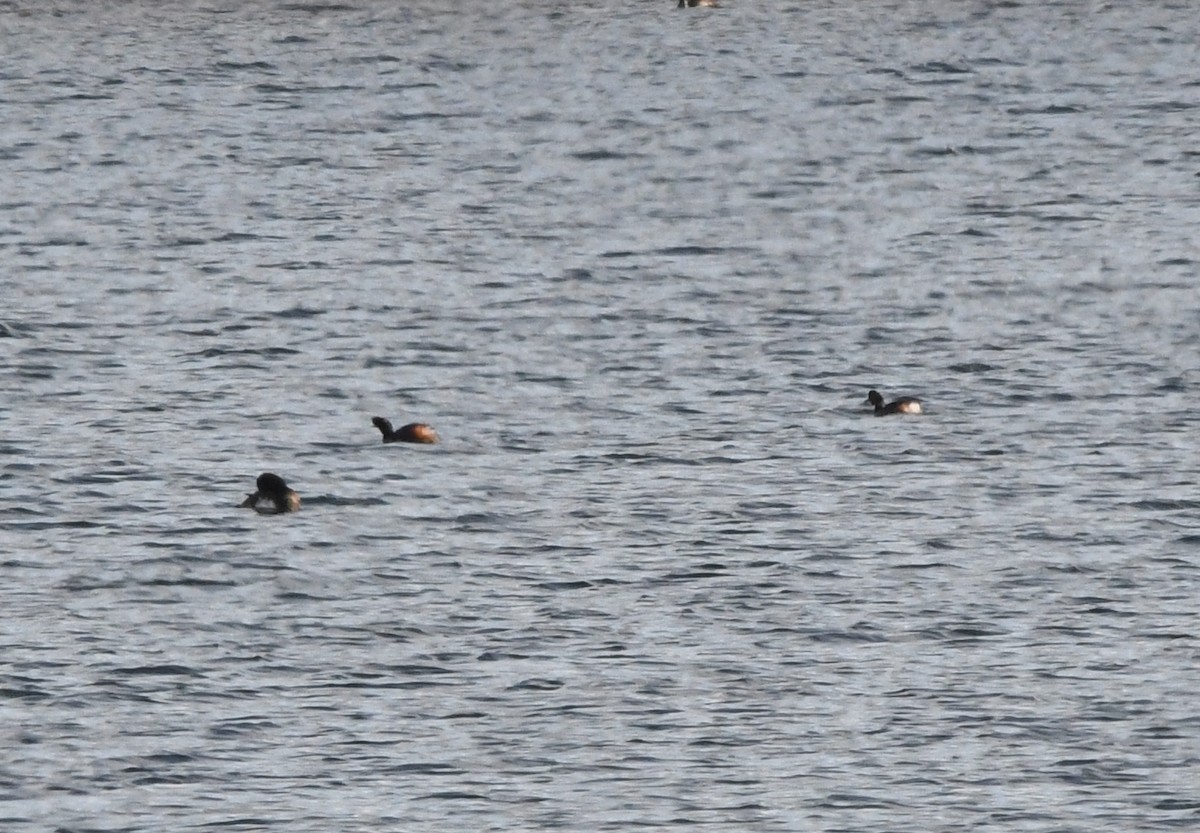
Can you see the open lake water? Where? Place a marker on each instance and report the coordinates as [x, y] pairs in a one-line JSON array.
[[639, 266]]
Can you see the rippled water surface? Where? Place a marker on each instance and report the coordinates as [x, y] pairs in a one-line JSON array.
[[639, 266]]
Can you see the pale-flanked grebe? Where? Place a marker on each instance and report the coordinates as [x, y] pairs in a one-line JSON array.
[[903, 405], [414, 432], [271, 487]]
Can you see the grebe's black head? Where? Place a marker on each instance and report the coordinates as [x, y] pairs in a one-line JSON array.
[[382, 424], [874, 398], [272, 486]]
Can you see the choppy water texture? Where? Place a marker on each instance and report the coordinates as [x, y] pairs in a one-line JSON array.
[[639, 266]]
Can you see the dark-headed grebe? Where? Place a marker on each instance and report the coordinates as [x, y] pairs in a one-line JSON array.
[[414, 432], [903, 405], [271, 487], [691, 4]]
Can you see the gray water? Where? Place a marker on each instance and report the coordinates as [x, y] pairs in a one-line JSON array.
[[639, 266]]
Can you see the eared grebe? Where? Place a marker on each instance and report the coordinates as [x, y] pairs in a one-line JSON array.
[[686, 4], [271, 487], [414, 432], [903, 405]]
